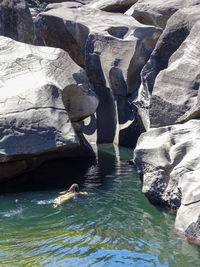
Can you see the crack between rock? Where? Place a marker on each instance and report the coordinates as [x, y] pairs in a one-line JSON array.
[[194, 202]]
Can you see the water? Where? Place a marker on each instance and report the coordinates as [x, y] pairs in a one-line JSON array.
[[114, 225]]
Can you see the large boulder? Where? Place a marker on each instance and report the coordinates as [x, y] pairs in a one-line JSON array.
[[114, 60], [67, 26], [112, 5], [82, 2], [62, 25], [170, 80], [168, 159], [188, 221], [34, 100], [113, 49], [157, 12], [16, 21]]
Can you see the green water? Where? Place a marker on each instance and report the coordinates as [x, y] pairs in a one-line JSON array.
[[114, 225]]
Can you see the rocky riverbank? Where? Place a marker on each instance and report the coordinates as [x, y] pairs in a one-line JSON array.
[[105, 71]]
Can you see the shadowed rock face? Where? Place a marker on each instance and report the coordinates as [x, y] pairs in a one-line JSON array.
[[113, 65], [113, 49], [34, 123], [16, 21], [168, 159], [168, 155], [61, 25], [170, 78], [79, 101]]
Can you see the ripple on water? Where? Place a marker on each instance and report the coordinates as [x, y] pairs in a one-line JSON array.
[[114, 225]]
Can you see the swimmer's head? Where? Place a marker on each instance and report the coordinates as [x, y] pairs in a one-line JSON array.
[[74, 188]]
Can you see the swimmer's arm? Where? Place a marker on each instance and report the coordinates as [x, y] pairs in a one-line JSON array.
[[83, 193], [64, 192]]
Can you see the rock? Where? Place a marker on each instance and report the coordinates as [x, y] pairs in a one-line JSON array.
[[168, 159], [188, 221], [170, 83], [114, 60], [157, 12], [79, 101], [113, 49], [60, 25], [16, 21], [34, 123], [74, 25], [82, 2], [167, 155], [120, 6]]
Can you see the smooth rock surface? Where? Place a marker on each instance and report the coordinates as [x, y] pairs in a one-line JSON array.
[[74, 25], [114, 59], [113, 49], [188, 220], [33, 119], [157, 12], [16, 21], [79, 101], [82, 2], [113, 64], [112, 5], [168, 158], [169, 90]]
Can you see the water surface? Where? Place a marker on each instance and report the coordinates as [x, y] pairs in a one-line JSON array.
[[114, 225]]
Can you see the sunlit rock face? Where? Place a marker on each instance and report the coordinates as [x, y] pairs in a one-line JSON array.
[[81, 2], [170, 88], [113, 48], [167, 155], [16, 21], [169, 160], [74, 25], [118, 6], [34, 89], [157, 12]]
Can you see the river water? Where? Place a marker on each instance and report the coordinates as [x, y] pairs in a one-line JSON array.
[[114, 225]]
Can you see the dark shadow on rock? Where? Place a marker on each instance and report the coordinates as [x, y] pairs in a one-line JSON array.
[[54, 174]]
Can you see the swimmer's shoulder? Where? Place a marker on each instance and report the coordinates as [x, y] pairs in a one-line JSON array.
[[83, 193]]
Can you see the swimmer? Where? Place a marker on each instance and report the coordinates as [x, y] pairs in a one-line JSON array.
[[65, 195]]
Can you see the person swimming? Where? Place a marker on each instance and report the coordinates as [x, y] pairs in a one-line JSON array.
[[67, 194]]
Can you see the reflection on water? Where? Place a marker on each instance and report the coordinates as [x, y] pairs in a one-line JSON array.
[[113, 226]]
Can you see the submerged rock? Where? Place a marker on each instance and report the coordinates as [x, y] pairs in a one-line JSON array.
[[34, 123], [16, 21]]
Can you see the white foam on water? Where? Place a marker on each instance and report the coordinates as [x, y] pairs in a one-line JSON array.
[[12, 213], [45, 202]]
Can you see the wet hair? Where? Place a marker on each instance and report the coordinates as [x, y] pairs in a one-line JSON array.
[[74, 188]]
